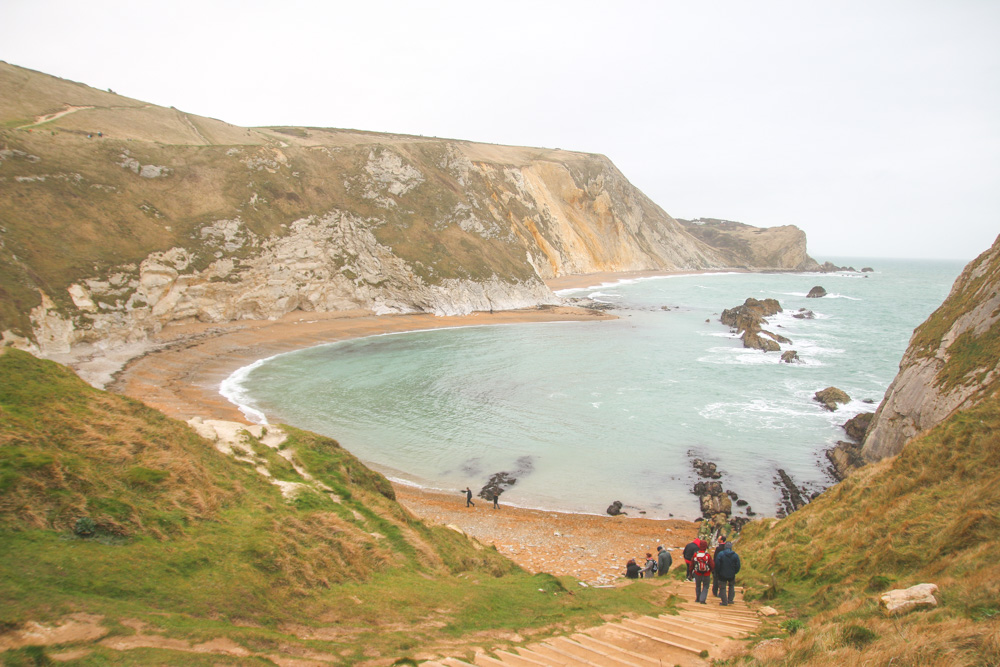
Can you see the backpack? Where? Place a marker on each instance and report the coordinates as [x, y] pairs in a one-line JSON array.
[[701, 563], [654, 564]]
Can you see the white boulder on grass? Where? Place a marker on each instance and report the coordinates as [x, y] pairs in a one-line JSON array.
[[901, 601]]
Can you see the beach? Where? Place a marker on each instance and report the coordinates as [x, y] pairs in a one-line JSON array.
[[180, 372]]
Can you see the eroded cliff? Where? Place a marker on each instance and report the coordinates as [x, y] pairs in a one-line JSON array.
[[952, 362], [120, 217]]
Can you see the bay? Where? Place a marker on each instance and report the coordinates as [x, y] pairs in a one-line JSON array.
[[585, 413]]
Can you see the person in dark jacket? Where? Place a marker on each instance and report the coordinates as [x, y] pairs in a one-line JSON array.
[[727, 566], [468, 497], [689, 555], [715, 576], [632, 569], [663, 561]]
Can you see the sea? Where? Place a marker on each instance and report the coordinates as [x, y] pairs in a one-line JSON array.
[[582, 414]]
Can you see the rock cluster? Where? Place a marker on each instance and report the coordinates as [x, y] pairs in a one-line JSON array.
[[716, 502], [749, 319]]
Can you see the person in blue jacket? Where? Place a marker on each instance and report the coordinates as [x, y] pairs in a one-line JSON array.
[[727, 566]]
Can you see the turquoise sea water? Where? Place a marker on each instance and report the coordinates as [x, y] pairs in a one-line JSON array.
[[585, 413]]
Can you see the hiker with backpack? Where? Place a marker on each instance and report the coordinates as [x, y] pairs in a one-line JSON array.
[[727, 566], [702, 569], [649, 569]]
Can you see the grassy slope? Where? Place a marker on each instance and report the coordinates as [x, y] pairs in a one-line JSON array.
[[199, 546], [930, 515]]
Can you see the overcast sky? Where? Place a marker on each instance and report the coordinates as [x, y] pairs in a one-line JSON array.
[[872, 125]]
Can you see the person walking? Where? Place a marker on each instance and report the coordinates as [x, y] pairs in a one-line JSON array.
[[727, 566], [663, 561], [715, 576], [703, 566], [468, 497], [689, 556], [496, 499]]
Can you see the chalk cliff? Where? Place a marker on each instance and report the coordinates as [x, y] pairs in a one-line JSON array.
[[952, 362], [120, 217]]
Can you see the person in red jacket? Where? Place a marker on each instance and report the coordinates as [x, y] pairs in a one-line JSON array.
[[702, 568]]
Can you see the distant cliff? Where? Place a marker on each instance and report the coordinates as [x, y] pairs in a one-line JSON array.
[[120, 217], [951, 364], [780, 248]]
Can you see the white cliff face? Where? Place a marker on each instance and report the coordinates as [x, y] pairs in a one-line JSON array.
[[324, 263], [948, 365]]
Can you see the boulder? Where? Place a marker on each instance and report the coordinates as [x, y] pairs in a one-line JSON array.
[[788, 356], [867, 269], [816, 292], [754, 341], [901, 601], [831, 397], [615, 508], [857, 425], [804, 314], [844, 459]]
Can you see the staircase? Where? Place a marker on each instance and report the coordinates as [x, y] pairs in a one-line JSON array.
[[649, 641]]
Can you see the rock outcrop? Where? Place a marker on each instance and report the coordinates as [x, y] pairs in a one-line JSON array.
[[816, 292], [780, 248], [831, 397], [748, 320], [951, 363]]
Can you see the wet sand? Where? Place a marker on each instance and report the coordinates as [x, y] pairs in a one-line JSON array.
[[181, 375]]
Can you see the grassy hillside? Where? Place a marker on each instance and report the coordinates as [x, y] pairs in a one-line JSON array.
[[112, 510], [930, 515]]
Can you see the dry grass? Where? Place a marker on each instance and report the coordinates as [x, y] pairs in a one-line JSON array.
[[932, 514]]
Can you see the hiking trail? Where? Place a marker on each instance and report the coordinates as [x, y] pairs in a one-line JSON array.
[[709, 630]]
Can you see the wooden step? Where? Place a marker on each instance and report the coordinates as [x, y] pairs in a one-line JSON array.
[[455, 662], [685, 627], [721, 622], [560, 653], [675, 634], [612, 649], [543, 657], [604, 657], [483, 660], [517, 660], [658, 640]]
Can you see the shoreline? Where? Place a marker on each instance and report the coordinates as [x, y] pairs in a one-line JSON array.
[[180, 371]]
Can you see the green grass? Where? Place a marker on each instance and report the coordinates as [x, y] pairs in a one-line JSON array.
[[113, 509]]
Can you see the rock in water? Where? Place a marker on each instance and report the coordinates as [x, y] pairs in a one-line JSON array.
[[788, 356], [816, 292], [830, 397], [615, 508]]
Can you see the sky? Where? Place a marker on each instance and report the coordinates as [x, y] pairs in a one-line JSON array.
[[872, 125]]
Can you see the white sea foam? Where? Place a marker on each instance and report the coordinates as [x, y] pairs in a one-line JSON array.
[[234, 390]]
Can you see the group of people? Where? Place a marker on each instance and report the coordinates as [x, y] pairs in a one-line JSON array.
[[660, 565], [722, 567], [703, 567], [469, 502]]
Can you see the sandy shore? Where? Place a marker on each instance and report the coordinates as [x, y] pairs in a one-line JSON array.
[[181, 377]]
